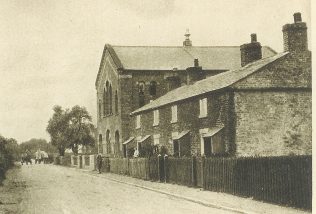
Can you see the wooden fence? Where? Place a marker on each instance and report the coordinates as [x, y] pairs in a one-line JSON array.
[[282, 180]]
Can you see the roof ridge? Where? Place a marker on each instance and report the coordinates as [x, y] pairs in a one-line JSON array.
[[170, 46]]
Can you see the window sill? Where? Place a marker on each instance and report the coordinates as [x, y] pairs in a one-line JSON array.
[[137, 128], [202, 116], [173, 122], [156, 124]]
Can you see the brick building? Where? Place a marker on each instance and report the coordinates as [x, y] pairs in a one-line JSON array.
[[131, 76], [262, 108]]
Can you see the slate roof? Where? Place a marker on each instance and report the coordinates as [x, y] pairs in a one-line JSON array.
[[209, 84], [169, 57]]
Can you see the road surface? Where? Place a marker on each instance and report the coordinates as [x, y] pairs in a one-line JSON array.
[[56, 189]]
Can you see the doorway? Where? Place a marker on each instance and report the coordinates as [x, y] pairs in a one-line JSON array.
[[208, 146], [176, 150]]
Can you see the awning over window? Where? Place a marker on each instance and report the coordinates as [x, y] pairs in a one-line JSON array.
[[143, 139], [212, 131], [180, 135], [128, 141]]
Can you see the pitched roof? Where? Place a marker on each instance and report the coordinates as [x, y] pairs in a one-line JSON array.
[[209, 84], [169, 57]]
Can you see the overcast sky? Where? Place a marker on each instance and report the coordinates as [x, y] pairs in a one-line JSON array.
[[51, 49]]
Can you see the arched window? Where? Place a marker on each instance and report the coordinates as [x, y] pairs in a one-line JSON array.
[[108, 143], [100, 144], [116, 102], [141, 94], [110, 100], [117, 143], [152, 88], [104, 101], [100, 108], [107, 98]]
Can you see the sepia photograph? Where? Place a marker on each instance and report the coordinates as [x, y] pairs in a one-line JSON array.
[[155, 107]]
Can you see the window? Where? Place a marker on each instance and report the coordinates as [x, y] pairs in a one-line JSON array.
[[110, 100], [137, 121], [156, 139], [104, 102], [116, 102], [100, 108], [203, 107], [174, 114], [152, 88], [156, 117], [141, 94]]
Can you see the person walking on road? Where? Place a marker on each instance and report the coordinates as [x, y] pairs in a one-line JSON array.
[[99, 163]]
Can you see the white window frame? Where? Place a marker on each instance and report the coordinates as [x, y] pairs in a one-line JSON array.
[[156, 139], [174, 114], [156, 117], [137, 121], [203, 108]]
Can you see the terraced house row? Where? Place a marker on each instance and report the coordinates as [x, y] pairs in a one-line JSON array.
[[237, 100]]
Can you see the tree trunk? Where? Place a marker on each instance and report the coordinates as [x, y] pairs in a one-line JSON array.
[[61, 151]]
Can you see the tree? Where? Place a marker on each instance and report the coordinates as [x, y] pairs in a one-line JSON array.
[[56, 128], [71, 128], [34, 144]]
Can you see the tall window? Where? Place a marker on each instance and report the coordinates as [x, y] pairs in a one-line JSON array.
[[156, 139], [174, 114], [104, 102], [141, 94], [137, 121], [116, 102], [152, 88], [100, 108], [117, 143], [106, 98], [100, 144], [156, 117], [203, 107], [110, 100], [108, 142]]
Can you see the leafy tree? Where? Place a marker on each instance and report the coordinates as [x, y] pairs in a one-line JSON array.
[[71, 128], [6, 154], [34, 144], [56, 128]]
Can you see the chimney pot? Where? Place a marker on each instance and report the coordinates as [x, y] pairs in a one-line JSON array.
[[253, 38], [196, 62], [297, 17]]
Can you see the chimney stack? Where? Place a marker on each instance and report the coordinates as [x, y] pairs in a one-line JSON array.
[[195, 73], [251, 51], [295, 35]]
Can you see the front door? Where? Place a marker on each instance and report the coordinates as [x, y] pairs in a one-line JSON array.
[[207, 146], [176, 150]]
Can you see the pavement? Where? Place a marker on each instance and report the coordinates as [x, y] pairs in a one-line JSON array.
[[222, 201]]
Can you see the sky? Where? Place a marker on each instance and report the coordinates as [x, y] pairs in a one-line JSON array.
[[51, 50]]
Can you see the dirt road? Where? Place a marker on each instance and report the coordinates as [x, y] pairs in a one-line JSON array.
[[55, 189]]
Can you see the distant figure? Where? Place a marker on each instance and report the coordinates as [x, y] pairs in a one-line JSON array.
[[44, 156], [136, 153], [26, 157], [99, 163], [38, 156]]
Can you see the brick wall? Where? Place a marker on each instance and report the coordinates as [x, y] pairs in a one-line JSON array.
[[111, 122], [273, 108], [188, 119], [291, 71], [271, 123]]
